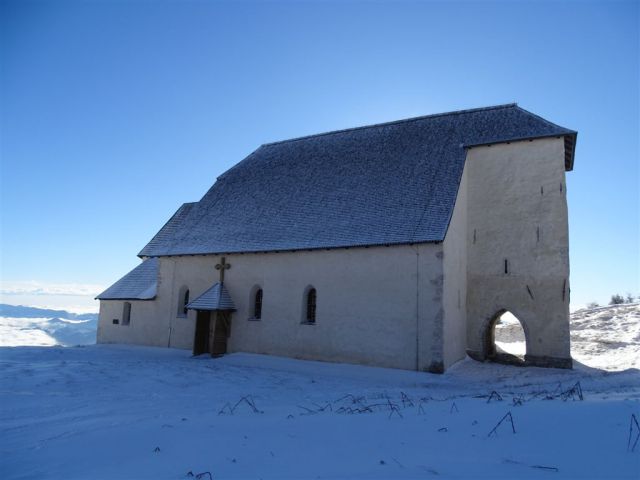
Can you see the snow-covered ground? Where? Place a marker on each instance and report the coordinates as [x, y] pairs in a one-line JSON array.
[[96, 412]]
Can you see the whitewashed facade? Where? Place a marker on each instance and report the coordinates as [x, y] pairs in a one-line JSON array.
[[418, 305]]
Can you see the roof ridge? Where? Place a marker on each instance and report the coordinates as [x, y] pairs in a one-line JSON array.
[[394, 122]]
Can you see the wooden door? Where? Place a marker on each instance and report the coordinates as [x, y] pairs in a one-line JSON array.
[[221, 333], [201, 339]]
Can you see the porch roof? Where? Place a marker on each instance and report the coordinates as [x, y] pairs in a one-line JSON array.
[[215, 298]]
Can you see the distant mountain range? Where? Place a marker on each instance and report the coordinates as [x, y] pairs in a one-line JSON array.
[[20, 311]]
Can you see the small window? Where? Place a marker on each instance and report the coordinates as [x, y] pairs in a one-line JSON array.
[[126, 313], [311, 306], [257, 305], [183, 301]]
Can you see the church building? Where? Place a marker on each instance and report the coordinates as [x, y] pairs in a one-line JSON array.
[[396, 245]]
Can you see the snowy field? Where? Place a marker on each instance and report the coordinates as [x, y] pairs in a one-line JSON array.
[[99, 412]]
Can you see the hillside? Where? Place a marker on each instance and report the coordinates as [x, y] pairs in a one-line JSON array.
[[602, 337], [607, 337]]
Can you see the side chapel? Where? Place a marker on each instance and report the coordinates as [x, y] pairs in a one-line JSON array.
[[395, 245]]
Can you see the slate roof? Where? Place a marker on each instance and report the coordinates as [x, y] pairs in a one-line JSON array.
[[392, 183], [216, 298], [141, 283]]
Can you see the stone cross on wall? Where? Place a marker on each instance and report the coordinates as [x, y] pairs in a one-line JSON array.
[[222, 267]]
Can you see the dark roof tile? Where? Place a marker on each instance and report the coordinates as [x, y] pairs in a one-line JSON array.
[[141, 283], [392, 183]]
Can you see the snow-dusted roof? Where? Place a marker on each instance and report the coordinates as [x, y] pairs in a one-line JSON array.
[[216, 298], [392, 183], [141, 283]]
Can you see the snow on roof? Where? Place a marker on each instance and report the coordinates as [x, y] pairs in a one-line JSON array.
[[216, 298], [140, 283], [392, 183]]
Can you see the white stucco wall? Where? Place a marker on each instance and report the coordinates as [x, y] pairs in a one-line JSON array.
[[375, 305], [455, 280], [413, 306], [517, 211], [430, 311], [147, 325]]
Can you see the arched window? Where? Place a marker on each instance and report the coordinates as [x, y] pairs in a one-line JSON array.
[[126, 313], [183, 301], [257, 305], [311, 306]]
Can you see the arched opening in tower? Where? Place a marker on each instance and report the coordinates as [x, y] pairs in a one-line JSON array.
[[506, 339]]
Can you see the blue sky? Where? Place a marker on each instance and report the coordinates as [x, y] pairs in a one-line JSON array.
[[115, 113]]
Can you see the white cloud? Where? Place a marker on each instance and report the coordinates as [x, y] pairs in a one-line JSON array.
[[41, 288]]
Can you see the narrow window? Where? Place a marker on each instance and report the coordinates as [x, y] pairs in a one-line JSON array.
[[126, 313], [506, 266], [311, 306], [257, 305], [185, 302]]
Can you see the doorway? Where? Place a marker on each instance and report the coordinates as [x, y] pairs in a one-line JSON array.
[[221, 334], [213, 329], [505, 339], [201, 339]]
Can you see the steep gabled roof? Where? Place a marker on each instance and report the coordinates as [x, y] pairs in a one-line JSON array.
[[170, 229], [141, 283], [392, 183]]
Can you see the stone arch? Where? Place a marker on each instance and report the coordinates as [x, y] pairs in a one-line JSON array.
[[489, 350]]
